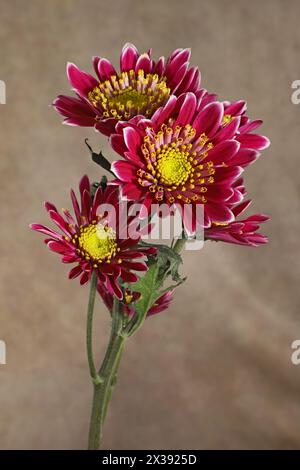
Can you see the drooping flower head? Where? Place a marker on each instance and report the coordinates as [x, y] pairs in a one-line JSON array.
[[190, 152], [140, 88], [94, 238], [161, 304]]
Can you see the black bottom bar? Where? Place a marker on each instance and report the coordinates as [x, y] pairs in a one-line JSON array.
[[135, 458]]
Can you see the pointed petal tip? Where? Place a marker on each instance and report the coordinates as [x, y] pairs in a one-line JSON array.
[[268, 142], [69, 67], [129, 45]]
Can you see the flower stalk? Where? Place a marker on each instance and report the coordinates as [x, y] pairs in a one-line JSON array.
[[106, 378], [179, 244], [89, 329]]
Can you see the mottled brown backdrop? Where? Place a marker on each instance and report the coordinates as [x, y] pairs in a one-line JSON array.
[[214, 371]]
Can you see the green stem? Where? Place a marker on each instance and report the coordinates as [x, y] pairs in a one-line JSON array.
[[180, 244], [89, 327], [107, 376], [112, 385], [104, 381]]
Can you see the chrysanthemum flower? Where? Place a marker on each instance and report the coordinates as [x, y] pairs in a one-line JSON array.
[[240, 231], [188, 153], [92, 240], [141, 87], [237, 122], [161, 304]]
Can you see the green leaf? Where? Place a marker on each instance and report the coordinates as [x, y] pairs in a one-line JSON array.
[[161, 266], [168, 262], [148, 287]]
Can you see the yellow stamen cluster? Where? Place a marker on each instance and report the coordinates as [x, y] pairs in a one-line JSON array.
[[174, 169], [173, 166], [97, 242], [130, 93]]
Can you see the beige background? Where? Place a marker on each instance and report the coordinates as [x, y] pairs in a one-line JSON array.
[[215, 370]]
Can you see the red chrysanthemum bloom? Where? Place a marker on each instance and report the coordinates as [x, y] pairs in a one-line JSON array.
[[237, 122], [92, 239], [241, 231], [161, 304], [190, 152], [141, 87]]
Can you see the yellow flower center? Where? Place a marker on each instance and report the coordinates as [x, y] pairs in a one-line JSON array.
[[130, 93], [176, 164], [97, 242], [173, 167]]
